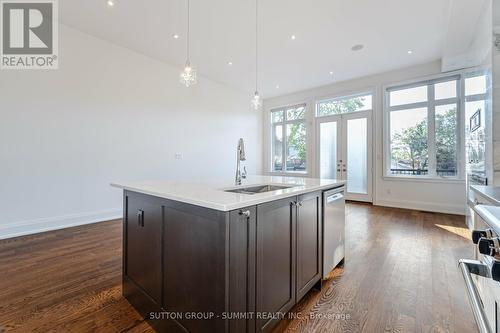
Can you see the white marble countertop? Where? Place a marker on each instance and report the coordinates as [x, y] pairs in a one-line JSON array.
[[490, 215], [210, 193], [492, 193]]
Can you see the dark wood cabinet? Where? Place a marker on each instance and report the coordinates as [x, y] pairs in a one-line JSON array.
[[143, 243], [309, 242], [194, 265], [275, 260], [184, 259]]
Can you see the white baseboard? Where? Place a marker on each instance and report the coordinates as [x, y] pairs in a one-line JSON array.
[[422, 205], [22, 228]]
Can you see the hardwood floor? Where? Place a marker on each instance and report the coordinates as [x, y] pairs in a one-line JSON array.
[[400, 275]]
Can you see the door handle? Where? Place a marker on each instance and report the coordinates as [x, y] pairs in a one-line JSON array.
[[245, 213], [467, 267], [140, 218]]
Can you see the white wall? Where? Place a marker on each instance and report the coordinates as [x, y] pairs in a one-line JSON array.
[[438, 196], [109, 114]]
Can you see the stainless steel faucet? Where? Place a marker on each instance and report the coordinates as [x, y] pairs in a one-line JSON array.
[[240, 157]]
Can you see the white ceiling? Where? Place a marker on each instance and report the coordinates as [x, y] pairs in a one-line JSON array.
[[223, 30]]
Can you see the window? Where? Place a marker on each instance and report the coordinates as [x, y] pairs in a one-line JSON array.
[[344, 105], [289, 139], [476, 102], [423, 131]]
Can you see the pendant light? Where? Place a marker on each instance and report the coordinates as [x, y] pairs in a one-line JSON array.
[[256, 100], [188, 75]]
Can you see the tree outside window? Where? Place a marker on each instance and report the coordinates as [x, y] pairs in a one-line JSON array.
[[419, 147]]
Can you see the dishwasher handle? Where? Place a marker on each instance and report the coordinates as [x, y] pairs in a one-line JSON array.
[[335, 197]]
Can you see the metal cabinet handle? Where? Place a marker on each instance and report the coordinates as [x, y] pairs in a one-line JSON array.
[[245, 213], [474, 299], [140, 218]]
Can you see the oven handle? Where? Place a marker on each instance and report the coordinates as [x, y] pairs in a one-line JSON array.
[[477, 267]]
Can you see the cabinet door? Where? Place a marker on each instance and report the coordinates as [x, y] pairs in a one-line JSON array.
[[142, 243], [242, 268], [194, 265], [275, 260], [309, 256]]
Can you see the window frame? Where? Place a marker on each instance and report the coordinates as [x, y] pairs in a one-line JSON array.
[[284, 143], [430, 104]]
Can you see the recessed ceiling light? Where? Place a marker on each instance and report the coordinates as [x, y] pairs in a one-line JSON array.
[[410, 51], [277, 86], [331, 73], [176, 36], [357, 47], [292, 37], [229, 63], [110, 3]]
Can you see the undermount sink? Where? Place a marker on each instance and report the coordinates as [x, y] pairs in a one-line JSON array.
[[257, 189]]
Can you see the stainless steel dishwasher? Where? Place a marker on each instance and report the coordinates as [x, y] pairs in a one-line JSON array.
[[333, 229]]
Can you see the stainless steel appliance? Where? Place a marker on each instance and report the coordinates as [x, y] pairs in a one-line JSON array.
[[482, 275], [333, 229]]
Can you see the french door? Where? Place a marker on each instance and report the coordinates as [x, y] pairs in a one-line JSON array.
[[344, 144]]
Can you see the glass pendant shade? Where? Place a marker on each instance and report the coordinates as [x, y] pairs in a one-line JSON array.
[[188, 75], [256, 101]]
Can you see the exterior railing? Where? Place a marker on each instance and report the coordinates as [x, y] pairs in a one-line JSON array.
[[420, 172]]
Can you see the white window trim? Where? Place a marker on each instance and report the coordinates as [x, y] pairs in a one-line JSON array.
[[460, 100], [285, 122]]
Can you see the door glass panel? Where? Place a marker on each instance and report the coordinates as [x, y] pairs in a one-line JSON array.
[[357, 156], [328, 150]]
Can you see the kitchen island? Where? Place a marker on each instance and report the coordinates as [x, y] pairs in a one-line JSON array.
[[211, 257]]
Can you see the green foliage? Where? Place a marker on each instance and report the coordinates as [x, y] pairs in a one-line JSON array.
[[297, 139], [446, 140], [410, 147], [340, 106]]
